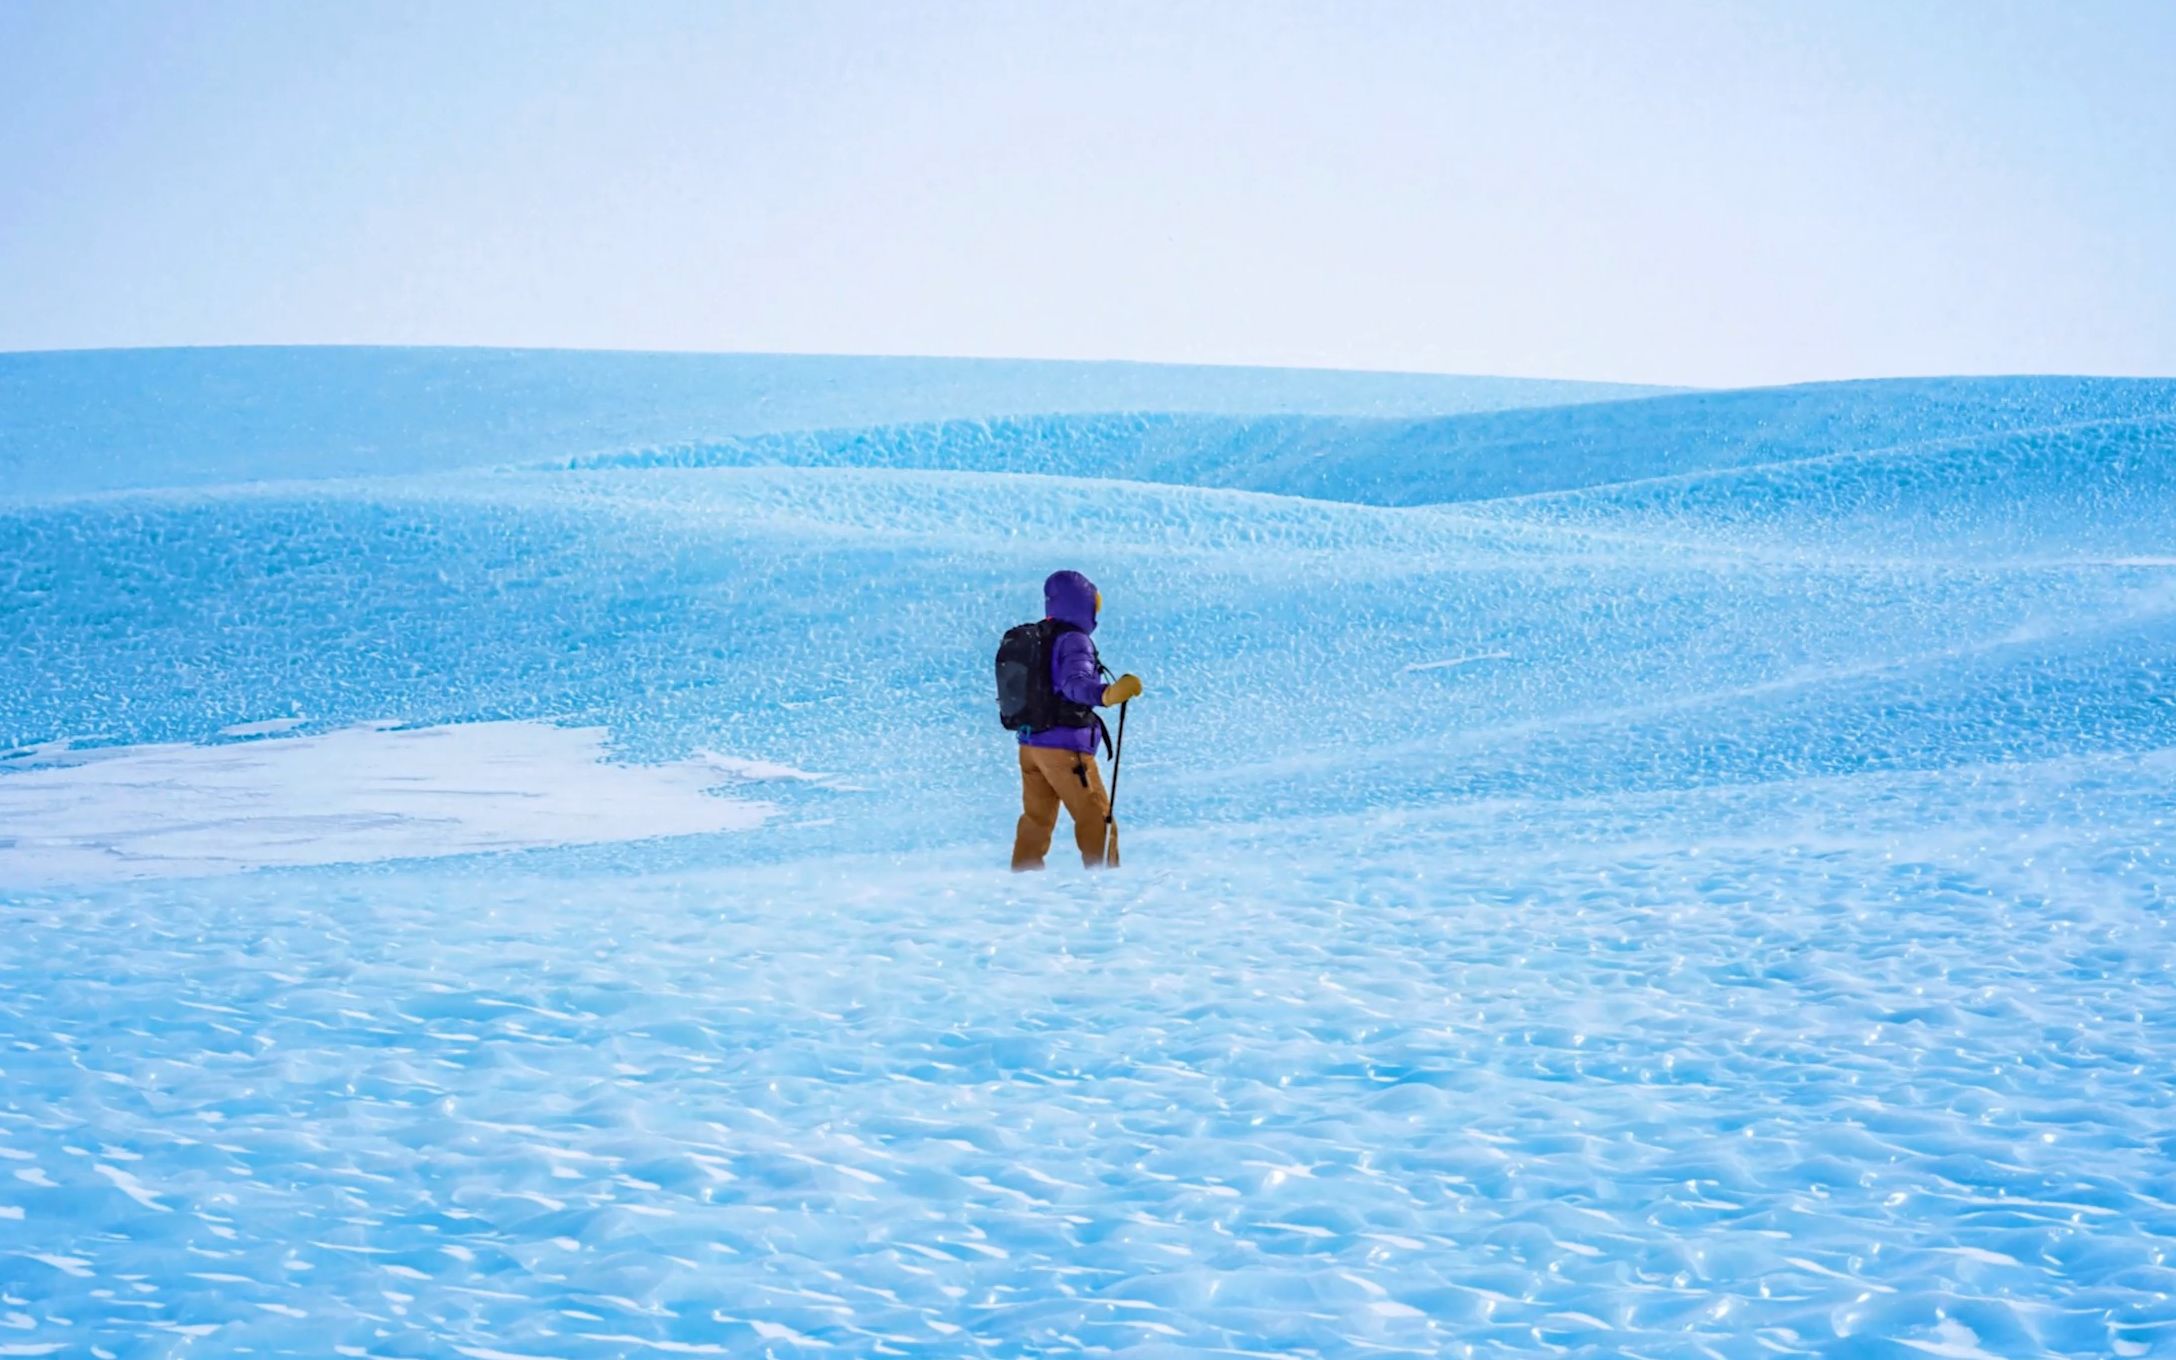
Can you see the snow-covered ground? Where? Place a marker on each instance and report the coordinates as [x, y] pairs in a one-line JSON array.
[[1679, 874], [371, 792]]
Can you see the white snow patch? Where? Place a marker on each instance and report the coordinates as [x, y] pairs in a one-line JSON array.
[[1981, 1254], [1448, 662], [363, 793], [130, 1186], [772, 1331], [262, 729], [741, 768], [667, 1347], [1953, 1341]]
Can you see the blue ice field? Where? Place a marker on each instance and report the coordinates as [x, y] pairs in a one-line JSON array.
[[503, 855]]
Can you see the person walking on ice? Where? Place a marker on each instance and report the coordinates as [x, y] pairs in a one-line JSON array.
[[1049, 684]]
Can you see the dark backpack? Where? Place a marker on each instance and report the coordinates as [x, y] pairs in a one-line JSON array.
[[1027, 701]]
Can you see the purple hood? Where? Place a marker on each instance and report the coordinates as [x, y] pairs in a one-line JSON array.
[[1070, 597]]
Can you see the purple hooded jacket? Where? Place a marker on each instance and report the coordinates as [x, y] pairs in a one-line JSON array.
[[1070, 597]]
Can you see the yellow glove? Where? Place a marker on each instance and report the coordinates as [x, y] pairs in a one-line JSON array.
[[1123, 688]]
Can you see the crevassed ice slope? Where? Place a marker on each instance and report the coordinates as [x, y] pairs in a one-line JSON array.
[[1677, 876]]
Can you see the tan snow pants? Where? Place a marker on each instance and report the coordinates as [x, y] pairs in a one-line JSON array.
[[1047, 780]]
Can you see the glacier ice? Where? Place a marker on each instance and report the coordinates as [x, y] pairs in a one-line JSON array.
[[1673, 874]]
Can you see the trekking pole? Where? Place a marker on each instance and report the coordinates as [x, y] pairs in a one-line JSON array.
[[1110, 815]]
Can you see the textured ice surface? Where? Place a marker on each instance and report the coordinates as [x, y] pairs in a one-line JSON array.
[[1686, 876]]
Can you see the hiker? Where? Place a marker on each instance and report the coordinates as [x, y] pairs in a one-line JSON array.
[[1053, 707]]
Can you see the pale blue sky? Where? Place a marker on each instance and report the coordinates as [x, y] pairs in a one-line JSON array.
[[1694, 193]]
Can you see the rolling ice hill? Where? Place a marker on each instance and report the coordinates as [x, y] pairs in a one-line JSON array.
[[502, 856], [99, 420]]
